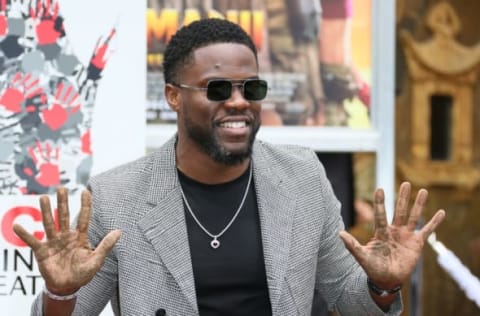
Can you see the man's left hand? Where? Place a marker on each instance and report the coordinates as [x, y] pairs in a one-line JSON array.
[[390, 256]]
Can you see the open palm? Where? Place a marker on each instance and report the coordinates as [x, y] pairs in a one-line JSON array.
[[65, 260], [391, 255]]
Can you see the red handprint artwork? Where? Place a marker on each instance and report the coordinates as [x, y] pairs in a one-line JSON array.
[[47, 172], [48, 26], [99, 58], [46, 99], [21, 87], [65, 104]]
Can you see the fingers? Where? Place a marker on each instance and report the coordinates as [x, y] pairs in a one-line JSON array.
[[107, 243], [85, 209], [353, 246], [63, 212], [379, 213], [28, 238], [401, 208], [417, 209], [47, 218], [430, 227]]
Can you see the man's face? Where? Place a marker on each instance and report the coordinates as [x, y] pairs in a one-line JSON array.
[[224, 130]]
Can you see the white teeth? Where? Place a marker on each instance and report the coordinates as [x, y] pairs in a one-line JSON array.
[[233, 124]]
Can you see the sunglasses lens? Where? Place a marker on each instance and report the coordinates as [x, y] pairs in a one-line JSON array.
[[219, 90], [255, 90]]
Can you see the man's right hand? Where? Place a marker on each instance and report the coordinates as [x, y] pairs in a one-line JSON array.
[[66, 260]]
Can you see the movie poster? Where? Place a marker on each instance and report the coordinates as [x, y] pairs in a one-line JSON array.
[[64, 105], [315, 55]]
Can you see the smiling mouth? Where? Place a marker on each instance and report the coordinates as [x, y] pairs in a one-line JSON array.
[[236, 124]]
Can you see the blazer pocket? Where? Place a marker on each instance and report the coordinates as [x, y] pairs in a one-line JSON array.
[[295, 302], [300, 279]]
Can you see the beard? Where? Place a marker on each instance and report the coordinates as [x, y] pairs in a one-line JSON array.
[[208, 141]]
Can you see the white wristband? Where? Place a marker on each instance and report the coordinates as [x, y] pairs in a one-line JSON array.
[[59, 297]]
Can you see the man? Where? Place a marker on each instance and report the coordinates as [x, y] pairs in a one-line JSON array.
[[215, 222]]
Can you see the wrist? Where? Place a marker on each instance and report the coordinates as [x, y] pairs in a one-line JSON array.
[[382, 290], [66, 296]]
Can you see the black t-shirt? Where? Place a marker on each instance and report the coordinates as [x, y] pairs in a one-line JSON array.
[[231, 279]]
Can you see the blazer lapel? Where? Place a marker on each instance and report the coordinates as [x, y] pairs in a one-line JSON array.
[[164, 225], [275, 206]]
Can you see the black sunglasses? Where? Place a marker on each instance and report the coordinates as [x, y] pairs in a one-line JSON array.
[[221, 89]]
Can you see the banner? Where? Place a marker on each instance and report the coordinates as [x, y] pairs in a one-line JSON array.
[[71, 105], [315, 55]]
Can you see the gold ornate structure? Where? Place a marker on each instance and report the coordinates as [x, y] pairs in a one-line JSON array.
[[442, 75]]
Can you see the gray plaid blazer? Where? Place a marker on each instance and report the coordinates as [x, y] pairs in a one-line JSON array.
[[150, 267]]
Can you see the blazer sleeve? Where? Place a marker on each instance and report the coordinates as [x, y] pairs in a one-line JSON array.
[[340, 279]]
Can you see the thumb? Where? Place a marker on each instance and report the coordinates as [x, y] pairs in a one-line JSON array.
[[107, 243], [352, 245]]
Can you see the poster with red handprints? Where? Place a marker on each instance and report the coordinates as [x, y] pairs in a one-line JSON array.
[[71, 105], [47, 98]]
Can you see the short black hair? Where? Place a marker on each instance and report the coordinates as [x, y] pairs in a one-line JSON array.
[[199, 34]]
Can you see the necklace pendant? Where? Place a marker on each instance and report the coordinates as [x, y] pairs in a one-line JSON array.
[[215, 243]]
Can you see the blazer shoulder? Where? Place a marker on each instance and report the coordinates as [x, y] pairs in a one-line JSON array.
[[289, 161], [129, 169], [142, 167], [286, 154]]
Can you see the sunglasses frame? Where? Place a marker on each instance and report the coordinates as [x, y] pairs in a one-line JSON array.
[[233, 83]]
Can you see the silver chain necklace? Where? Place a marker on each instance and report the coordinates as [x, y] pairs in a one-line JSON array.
[[215, 243]]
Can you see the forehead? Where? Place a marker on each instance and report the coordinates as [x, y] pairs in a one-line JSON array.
[[223, 60]]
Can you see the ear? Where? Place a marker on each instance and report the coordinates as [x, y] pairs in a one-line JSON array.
[[173, 96]]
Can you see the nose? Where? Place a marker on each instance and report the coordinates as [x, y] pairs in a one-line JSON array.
[[237, 100]]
